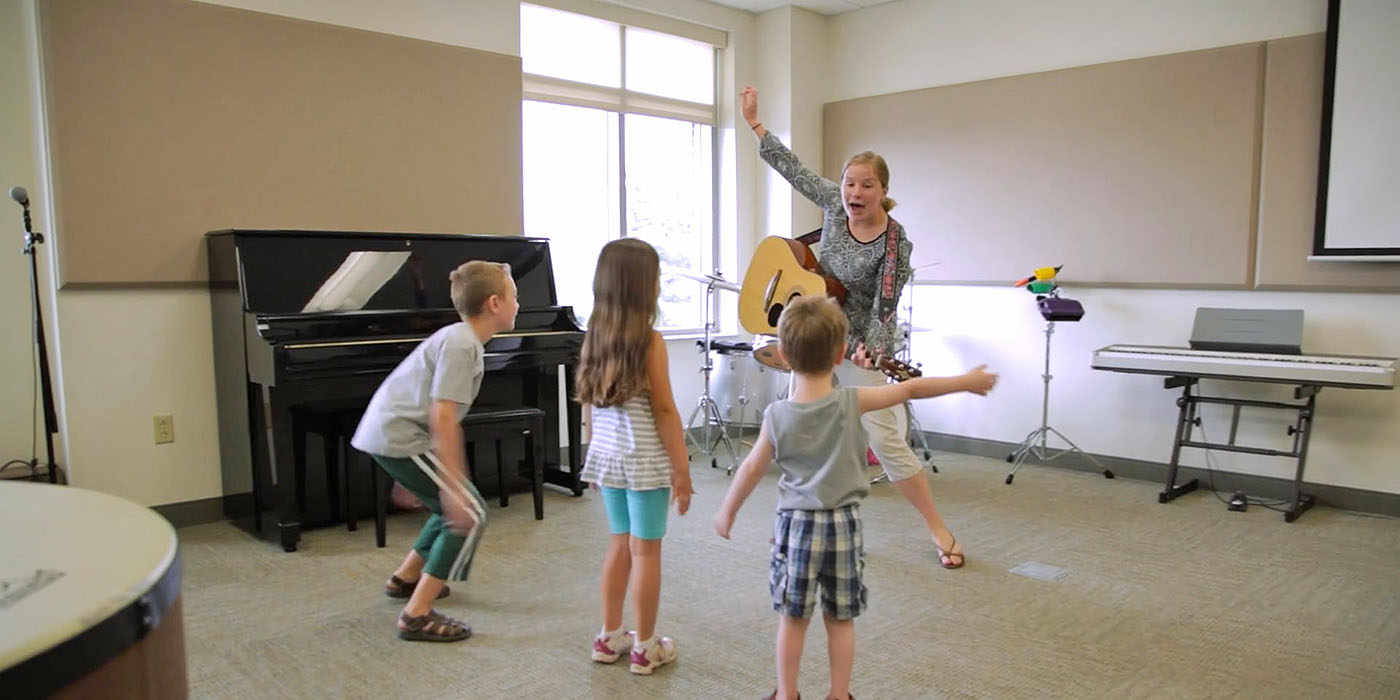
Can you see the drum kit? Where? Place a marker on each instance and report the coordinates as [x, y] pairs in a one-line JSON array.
[[714, 420], [749, 376]]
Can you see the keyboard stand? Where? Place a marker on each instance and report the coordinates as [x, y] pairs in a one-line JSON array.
[[1301, 430]]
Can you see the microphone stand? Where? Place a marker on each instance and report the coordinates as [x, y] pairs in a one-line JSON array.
[[31, 240]]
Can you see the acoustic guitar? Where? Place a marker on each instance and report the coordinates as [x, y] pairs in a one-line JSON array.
[[781, 270]]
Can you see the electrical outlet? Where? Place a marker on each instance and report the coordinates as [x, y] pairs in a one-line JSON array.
[[164, 428]]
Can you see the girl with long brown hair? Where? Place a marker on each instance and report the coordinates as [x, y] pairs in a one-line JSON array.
[[636, 455]]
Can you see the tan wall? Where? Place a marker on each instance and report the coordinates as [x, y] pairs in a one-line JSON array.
[[248, 120]]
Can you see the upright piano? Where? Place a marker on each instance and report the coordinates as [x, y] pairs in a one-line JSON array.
[[302, 318]]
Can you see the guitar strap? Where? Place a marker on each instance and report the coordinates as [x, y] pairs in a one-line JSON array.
[[888, 266], [888, 295]]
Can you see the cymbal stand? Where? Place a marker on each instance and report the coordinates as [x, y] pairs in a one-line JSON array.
[[906, 354], [914, 432], [713, 419], [1036, 442]]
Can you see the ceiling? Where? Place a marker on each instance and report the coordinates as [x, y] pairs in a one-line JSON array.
[[821, 7]]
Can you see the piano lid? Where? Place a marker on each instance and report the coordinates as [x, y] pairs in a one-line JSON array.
[[294, 272]]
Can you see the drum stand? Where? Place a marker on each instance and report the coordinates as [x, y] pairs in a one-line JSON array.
[[706, 406], [1035, 442]]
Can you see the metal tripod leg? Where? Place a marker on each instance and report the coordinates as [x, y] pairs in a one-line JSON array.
[[1043, 453], [712, 421], [1027, 446], [918, 430]]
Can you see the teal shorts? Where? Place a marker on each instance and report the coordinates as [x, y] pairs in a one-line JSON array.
[[642, 513]]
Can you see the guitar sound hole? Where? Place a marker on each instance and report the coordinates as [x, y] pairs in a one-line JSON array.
[[774, 312]]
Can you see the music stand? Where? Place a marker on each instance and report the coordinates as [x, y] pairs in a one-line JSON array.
[[1052, 308], [706, 405]]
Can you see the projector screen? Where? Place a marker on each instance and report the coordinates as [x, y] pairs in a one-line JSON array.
[[1358, 195]]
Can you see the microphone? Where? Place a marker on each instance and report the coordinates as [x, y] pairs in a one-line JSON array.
[[21, 195]]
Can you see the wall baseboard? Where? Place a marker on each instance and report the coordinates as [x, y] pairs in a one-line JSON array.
[[185, 513], [1341, 497], [208, 510]]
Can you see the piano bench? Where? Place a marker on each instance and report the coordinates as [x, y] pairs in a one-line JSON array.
[[527, 423], [335, 422]]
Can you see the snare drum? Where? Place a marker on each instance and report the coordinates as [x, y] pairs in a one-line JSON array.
[[738, 377], [766, 353], [91, 597]]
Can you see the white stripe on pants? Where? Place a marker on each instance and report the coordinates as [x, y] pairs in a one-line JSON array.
[[473, 505]]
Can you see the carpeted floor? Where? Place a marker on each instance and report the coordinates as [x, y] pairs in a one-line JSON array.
[[1183, 600]]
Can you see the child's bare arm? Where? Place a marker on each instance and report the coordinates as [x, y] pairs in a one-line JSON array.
[[668, 422], [977, 381], [750, 471], [450, 449]]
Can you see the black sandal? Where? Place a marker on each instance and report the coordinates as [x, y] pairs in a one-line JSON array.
[[399, 588], [432, 627]]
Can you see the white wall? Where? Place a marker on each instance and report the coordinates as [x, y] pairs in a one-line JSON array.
[[791, 82], [21, 427], [1132, 415], [916, 44]]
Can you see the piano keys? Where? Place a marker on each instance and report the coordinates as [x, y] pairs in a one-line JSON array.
[[1318, 370], [302, 318], [1185, 367]]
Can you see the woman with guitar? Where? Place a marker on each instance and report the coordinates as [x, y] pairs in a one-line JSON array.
[[866, 249]]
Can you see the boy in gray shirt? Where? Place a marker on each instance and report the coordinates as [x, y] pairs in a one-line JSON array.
[[815, 436], [412, 428]]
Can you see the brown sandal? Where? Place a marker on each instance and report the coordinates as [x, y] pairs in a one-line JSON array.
[[949, 555], [399, 588], [432, 627]]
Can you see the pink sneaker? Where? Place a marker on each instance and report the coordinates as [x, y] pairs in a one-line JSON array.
[[661, 652], [606, 651]]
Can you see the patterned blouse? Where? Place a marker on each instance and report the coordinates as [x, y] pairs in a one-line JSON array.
[[857, 265]]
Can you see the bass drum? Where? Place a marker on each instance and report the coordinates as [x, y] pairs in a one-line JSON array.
[[743, 388]]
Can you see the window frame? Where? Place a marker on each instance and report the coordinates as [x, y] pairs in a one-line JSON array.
[[622, 101]]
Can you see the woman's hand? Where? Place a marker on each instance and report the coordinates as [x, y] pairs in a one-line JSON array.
[[748, 105], [862, 358]]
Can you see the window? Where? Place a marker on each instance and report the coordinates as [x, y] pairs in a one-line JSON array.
[[618, 133]]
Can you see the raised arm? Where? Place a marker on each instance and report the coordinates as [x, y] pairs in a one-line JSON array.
[[873, 398], [750, 471], [823, 192], [668, 422]]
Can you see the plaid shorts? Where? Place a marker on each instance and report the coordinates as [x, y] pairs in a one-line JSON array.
[[812, 547]]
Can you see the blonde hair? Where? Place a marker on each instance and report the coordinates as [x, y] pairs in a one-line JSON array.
[[474, 282], [810, 333], [882, 171], [626, 285]]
